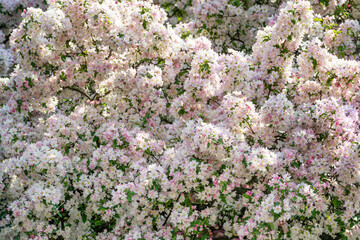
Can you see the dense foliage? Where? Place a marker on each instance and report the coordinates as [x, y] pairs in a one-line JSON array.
[[180, 119]]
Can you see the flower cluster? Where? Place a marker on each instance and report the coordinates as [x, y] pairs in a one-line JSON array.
[[115, 124], [10, 17]]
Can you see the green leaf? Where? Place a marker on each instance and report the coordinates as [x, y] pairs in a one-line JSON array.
[[324, 2], [129, 195], [115, 143], [336, 202], [182, 111], [144, 24], [63, 76], [314, 62], [244, 162], [272, 226], [222, 197], [266, 39], [83, 217], [246, 196], [63, 58], [102, 209], [156, 185], [67, 148]]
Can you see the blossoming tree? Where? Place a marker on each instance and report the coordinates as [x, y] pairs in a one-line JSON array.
[[118, 122]]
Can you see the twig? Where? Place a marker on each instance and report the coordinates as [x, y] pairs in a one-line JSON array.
[[152, 155], [110, 53], [214, 101], [171, 211], [79, 91], [95, 97], [249, 126], [235, 39]]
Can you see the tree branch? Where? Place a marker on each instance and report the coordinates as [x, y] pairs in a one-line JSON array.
[[249, 126], [79, 91], [110, 53], [235, 39], [171, 211]]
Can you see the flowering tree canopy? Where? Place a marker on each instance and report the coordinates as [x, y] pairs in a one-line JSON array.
[[180, 119]]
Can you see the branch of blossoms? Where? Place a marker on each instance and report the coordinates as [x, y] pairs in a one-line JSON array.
[[171, 151]]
